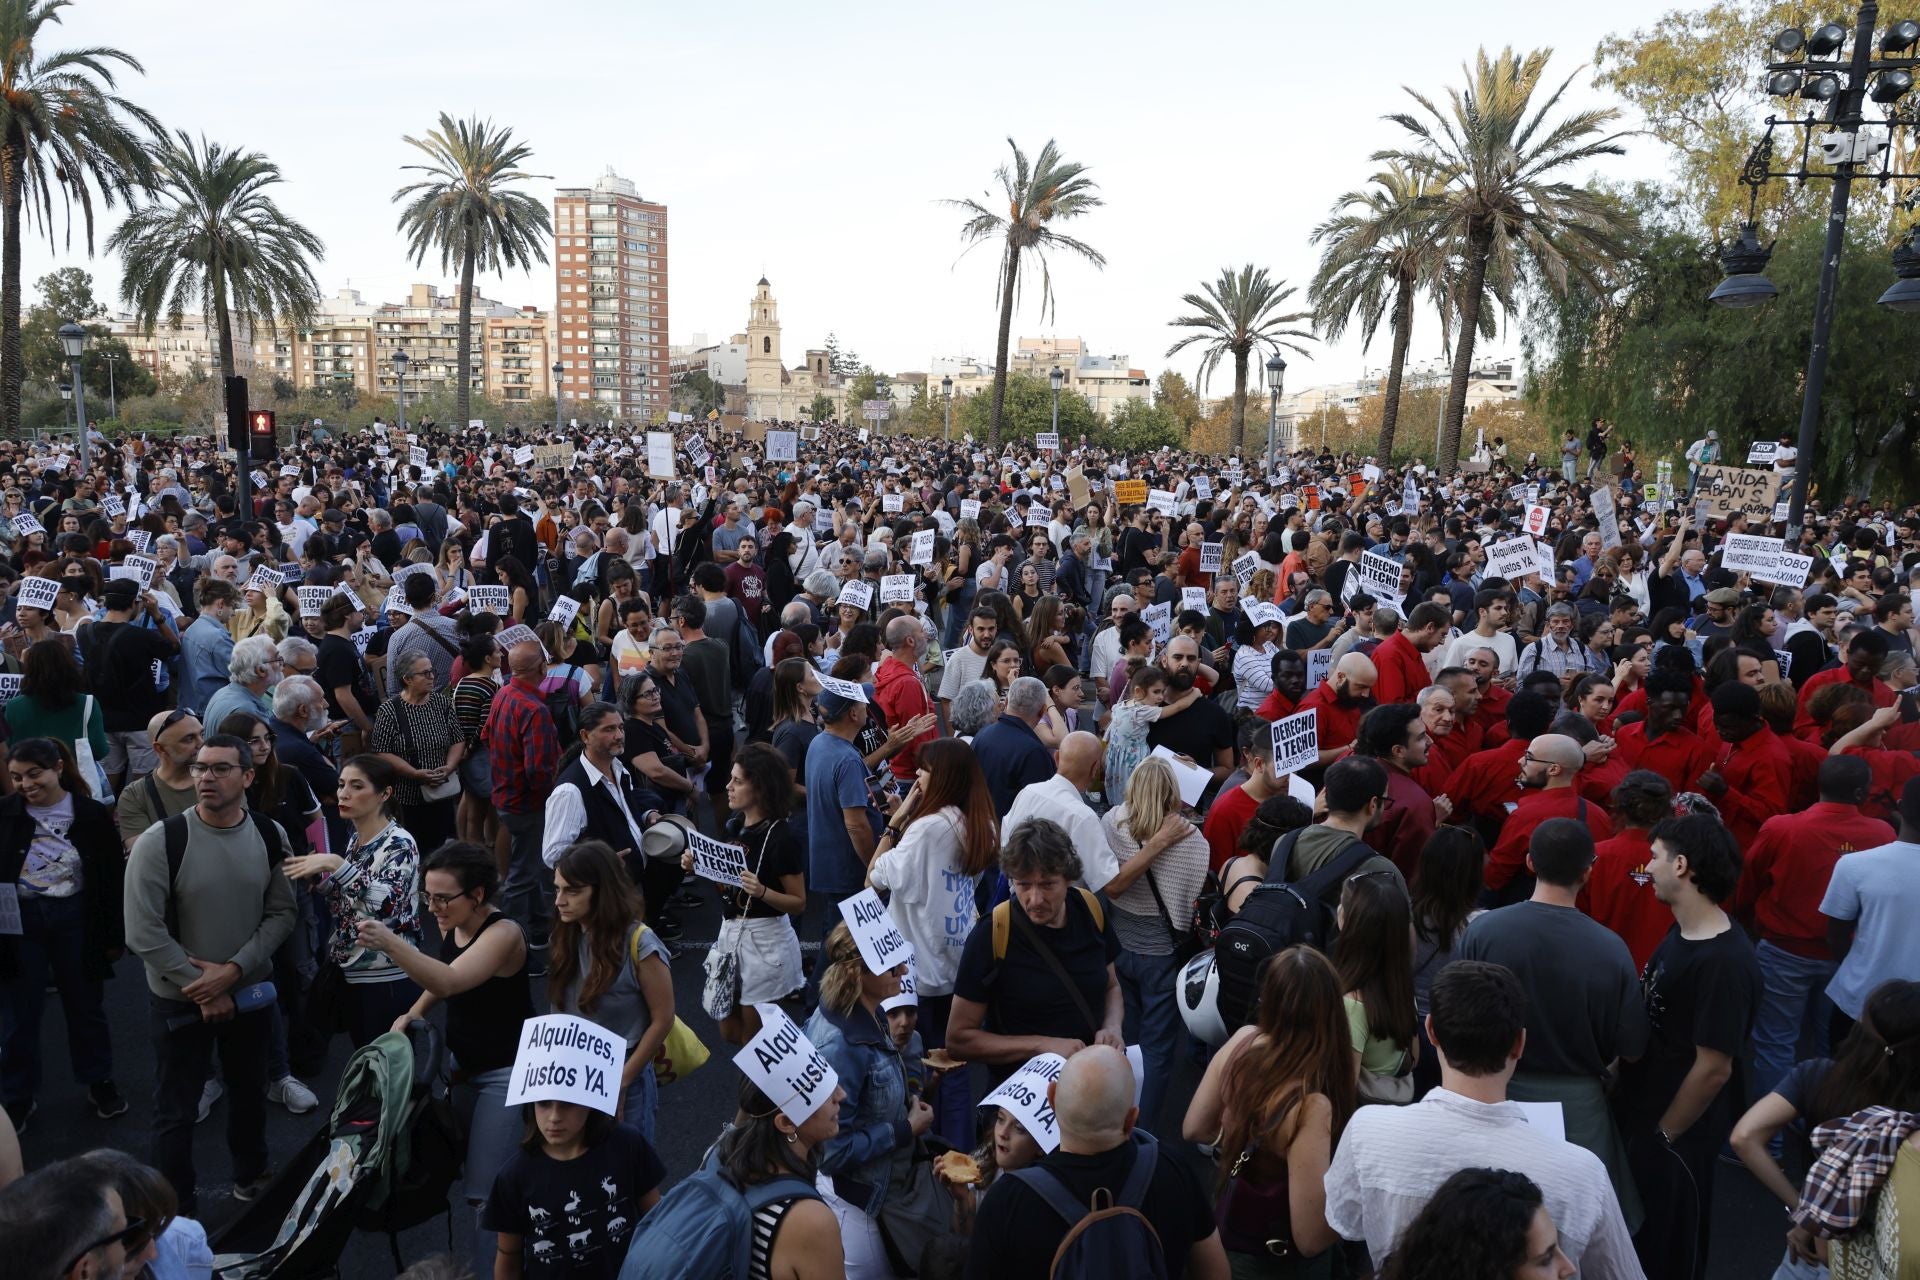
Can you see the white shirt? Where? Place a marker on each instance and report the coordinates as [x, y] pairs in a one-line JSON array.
[[931, 900], [1058, 800], [1391, 1160], [1501, 642], [804, 559], [666, 529], [567, 813]]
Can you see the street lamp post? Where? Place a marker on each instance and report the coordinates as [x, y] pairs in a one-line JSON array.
[[113, 397], [1276, 377], [73, 341], [66, 392], [559, 370], [1054, 380], [400, 377], [946, 390], [1808, 67]]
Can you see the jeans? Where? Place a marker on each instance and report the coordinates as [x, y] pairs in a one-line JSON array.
[[524, 898], [493, 1135], [1794, 1010], [1569, 468], [1153, 1023], [958, 606], [185, 1056], [954, 1117], [52, 946]]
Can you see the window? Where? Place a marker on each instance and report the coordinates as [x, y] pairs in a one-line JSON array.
[[766, 346]]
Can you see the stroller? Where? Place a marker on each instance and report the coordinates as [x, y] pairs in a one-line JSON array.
[[384, 1161]]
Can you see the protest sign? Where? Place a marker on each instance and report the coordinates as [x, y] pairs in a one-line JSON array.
[[1543, 562], [1130, 492], [523, 455], [882, 945], [716, 861], [1606, 516], [417, 456], [141, 539], [1245, 566], [1191, 780], [143, 568], [1162, 500], [1746, 553], [1409, 496], [396, 601], [111, 504], [1296, 742], [563, 1058], [1210, 553], [922, 548], [660, 455], [856, 593], [1056, 484], [38, 593], [1203, 488], [896, 588], [1262, 613], [1159, 617], [697, 452], [1194, 598], [892, 502], [1512, 559], [1536, 521], [782, 446], [553, 457], [969, 508], [1319, 663], [1789, 570], [267, 580], [1763, 453], [311, 600], [849, 689], [1047, 440], [564, 611], [1380, 575], [25, 524], [494, 599], [10, 688], [520, 633], [1726, 490], [784, 1065], [1024, 1096]]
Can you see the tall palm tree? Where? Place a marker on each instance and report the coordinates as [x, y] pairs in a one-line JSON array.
[[63, 130], [212, 238], [1493, 157], [1038, 194], [1379, 255], [463, 208], [1239, 315]]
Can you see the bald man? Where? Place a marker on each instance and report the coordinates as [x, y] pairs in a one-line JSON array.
[[524, 749], [1548, 768], [1063, 799], [1339, 701], [1018, 1230]]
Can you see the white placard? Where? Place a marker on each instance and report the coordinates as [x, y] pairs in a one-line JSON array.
[[896, 588], [969, 508], [1410, 496], [562, 1058], [1780, 511], [1319, 663], [39, 593], [312, 599], [125, 574], [9, 688], [1047, 440], [1379, 574], [259, 479], [1194, 598], [1245, 566], [476, 424], [1605, 514], [856, 593], [713, 860], [494, 599], [564, 611], [697, 452], [1512, 559], [1544, 563], [417, 456], [1790, 570], [290, 470], [1160, 618], [141, 540], [849, 689], [1190, 778], [396, 601], [523, 455], [909, 994], [1203, 488], [1746, 553], [1210, 556], [111, 504], [1763, 451], [1024, 1095], [1161, 500], [1536, 521], [1262, 613], [921, 550], [264, 579], [881, 943], [363, 638], [1296, 742], [892, 503], [783, 446], [784, 1065], [143, 567], [25, 523], [660, 455]]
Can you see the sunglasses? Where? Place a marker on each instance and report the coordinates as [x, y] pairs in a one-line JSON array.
[[132, 1238]]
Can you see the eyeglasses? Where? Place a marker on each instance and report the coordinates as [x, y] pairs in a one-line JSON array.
[[136, 1229], [201, 768], [650, 692], [441, 901]]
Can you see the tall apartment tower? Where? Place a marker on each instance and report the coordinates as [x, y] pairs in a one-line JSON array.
[[610, 256]]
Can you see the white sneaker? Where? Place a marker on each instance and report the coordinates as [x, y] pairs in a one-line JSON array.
[[213, 1092], [292, 1095]]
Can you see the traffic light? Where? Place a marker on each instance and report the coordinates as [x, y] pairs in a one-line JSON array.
[[260, 435]]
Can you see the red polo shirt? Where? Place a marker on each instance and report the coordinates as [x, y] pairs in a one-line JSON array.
[[1484, 782], [1338, 725], [1491, 715], [1891, 770], [1803, 723], [1277, 706], [1757, 771], [1619, 894], [1678, 755], [1787, 868], [1803, 788], [1405, 824], [1226, 819], [1403, 672], [1509, 854], [902, 695], [1443, 757], [1597, 781]]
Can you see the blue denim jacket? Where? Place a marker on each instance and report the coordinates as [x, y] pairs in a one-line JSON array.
[[874, 1133]]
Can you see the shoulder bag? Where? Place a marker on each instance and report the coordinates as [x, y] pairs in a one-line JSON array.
[[429, 791]]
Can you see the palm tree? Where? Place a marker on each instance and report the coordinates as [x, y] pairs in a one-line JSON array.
[[1492, 156], [1038, 194], [1378, 255], [213, 239], [63, 130], [1239, 314], [464, 209]]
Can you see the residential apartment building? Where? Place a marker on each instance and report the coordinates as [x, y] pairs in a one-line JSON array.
[[192, 348], [1106, 381], [610, 259]]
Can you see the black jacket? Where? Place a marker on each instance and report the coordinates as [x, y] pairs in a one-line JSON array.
[[604, 820], [101, 868]]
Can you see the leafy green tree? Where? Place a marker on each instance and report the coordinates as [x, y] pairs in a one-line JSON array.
[[821, 409], [65, 132], [1026, 411], [1240, 316], [213, 238], [1493, 154], [67, 295], [697, 394], [1173, 394], [1037, 194], [1139, 427], [466, 209]]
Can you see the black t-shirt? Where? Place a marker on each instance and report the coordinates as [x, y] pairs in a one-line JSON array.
[[386, 547], [1022, 995], [1700, 994], [1199, 731], [1584, 1002], [772, 853], [119, 660], [1017, 1232], [1132, 548], [339, 666], [679, 702], [574, 1217]]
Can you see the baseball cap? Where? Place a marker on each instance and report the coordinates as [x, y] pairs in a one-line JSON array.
[[833, 705], [120, 592]]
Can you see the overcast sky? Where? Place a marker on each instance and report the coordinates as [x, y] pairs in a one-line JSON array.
[[814, 143]]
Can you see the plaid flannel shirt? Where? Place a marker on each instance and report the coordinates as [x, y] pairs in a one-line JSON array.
[[1856, 1158]]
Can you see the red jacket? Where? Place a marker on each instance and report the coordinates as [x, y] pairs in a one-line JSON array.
[[1338, 725], [902, 695], [1804, 724], [1804, 786], [1490, 717], [1678, 755], [1484, 782], [1403, 672], [1787, 868], [1597, 781], [1757, 771], [1508, 857], [1619, 894]]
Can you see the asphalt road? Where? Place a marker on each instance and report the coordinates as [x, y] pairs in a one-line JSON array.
[[1749, 1228]]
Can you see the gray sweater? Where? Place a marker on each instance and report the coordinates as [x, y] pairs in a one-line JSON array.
[[232, 906]]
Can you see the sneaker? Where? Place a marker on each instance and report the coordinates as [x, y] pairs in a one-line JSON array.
[[253, 1189], [669, 930], [20, 1112], [208, 1096], [292, 1095], [686, 898], [106, 1100]]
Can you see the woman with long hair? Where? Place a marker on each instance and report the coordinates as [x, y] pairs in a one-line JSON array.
[[1274, 1101], [523, 593], [957, 598], [60, 853], [1048, 644], [756, 926], [1163, 866], [939, 843], [1446, 893], [1374, 956], [795, 1237], [450, 566], [1755, 630], [1482, 1224], [606, 966], [53, 702], [480, 974], [880, 1117], [378, 878], [1005, 663], [30, 626], [279, 792]]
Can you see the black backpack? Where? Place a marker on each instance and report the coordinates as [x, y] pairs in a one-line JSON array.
[[1275, 916], [175, 832], [563, 705]]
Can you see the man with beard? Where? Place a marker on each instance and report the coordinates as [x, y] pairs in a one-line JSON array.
[[1203, 732], [1401, 658], [1339, 702], [1493, 610], [1289, 686], [1489, 714], [1748, 777], [1548, 770], [1485, 783], [1396, 736]]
